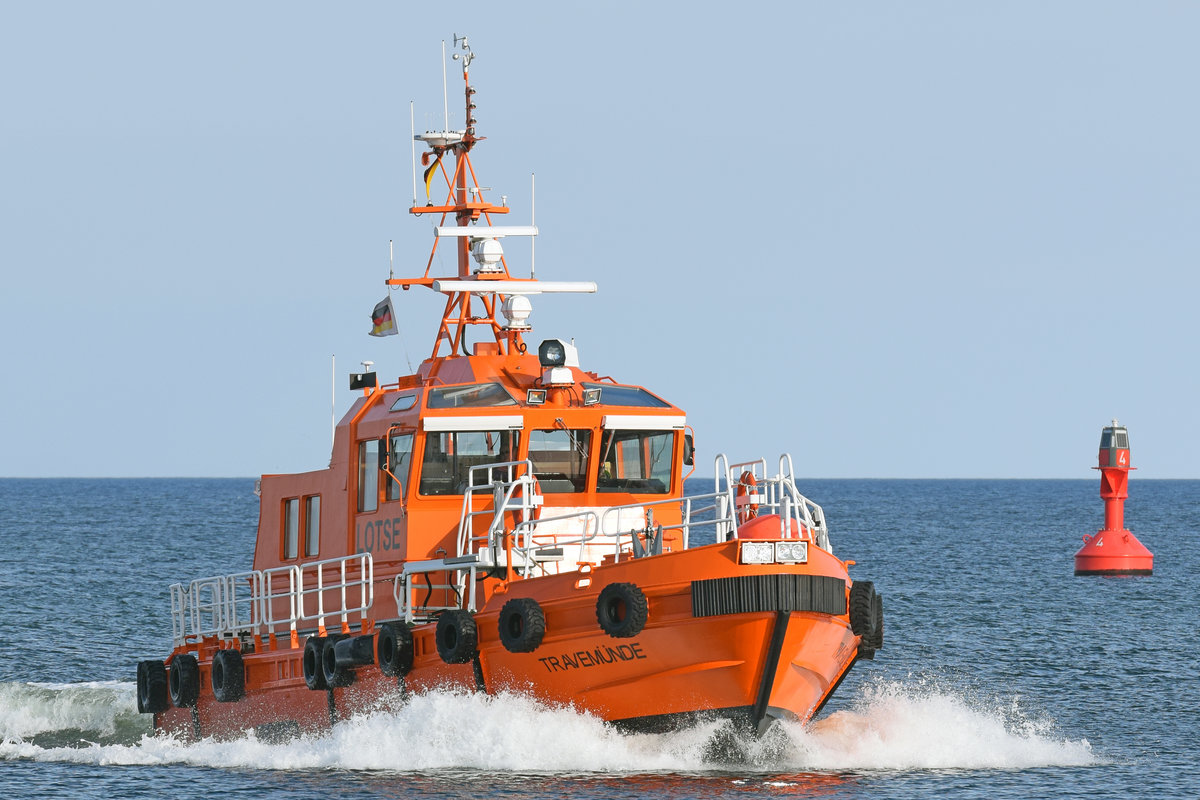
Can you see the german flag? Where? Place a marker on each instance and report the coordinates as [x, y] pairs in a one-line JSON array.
[[429, 175], [383, 320]]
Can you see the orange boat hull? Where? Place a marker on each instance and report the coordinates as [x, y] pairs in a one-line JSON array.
[[717, 654]]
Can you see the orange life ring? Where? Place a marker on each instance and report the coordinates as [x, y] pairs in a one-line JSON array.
[[744, 506]]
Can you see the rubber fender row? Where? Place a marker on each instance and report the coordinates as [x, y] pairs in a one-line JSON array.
[[621, 611], [329, 661], [159, 688]]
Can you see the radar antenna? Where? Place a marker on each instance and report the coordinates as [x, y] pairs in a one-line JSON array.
[[466, 56]]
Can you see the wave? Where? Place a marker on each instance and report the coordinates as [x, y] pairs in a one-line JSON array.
[[899, 726], [62, 714], [891, 726]]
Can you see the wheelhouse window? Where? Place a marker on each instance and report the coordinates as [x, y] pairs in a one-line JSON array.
[[476, 395], [312, 525], [291, 527], [560, 459], [399, 464], [450, 455], [614, 395], [368, 475], [405, 401], [636, 461]]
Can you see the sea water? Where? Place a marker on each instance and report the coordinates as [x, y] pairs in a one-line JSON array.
[[1002, 674]]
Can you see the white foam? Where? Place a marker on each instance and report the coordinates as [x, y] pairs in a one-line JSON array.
[[30, 709], [895, 726], [892, 727]]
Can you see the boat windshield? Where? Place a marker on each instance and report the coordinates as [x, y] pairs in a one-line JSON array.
[[559, 459], [614, 395], [450, 455], [636, 461], [476, 395]]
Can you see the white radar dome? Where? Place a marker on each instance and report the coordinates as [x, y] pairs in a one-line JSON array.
[[516, 310], [487, 254]]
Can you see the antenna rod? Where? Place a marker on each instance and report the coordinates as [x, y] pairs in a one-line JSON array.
[[332, 398], [532, 220], [445, 102], [412, 129]]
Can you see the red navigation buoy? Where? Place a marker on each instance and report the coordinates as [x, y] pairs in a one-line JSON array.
[[1114, 550]]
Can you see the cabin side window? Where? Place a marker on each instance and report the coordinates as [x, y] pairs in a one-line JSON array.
[[560, 459], [291, 527], [312, 525], [368, 475], [301, 514], [636, 461], [450, 456], [399, 464]]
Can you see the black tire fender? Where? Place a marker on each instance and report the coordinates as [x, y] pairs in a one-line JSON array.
[[394, 649], [311, 663], [522, 625], [184, 680], [622, 610], [228, 676], [151, 687], [877, 641], [334, 675], [457, 636], [866, 617]]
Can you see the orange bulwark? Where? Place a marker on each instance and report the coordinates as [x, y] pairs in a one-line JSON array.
[[505, 520]]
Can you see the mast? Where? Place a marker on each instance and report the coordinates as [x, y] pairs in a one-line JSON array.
[[483, 284]]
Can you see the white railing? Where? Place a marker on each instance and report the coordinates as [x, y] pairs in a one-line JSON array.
[[272, 601], [342, 584], [510, 493], [248, 603], [510, 488], [592, 534], [768, 495]]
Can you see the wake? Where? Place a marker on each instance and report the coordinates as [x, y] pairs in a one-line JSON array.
[[891, 726]]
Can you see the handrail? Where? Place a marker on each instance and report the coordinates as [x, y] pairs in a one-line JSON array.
[[529, 500], [773, 495], [527, 545], [249, 603], [244, 603], [365, 584]]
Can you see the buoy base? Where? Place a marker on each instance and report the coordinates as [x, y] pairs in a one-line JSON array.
[[1113, 553], [1114, 572]]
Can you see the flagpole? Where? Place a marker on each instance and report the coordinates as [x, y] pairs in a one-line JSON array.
[[445, 102], [532, 220], [412, 129], [332, 399]]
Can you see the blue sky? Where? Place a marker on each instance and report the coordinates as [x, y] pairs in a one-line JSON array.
[[931, 239]]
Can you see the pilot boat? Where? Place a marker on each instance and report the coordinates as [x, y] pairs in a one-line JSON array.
[[504, 520]]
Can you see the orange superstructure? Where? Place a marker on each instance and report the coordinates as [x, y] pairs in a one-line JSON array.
[[505, 520]]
